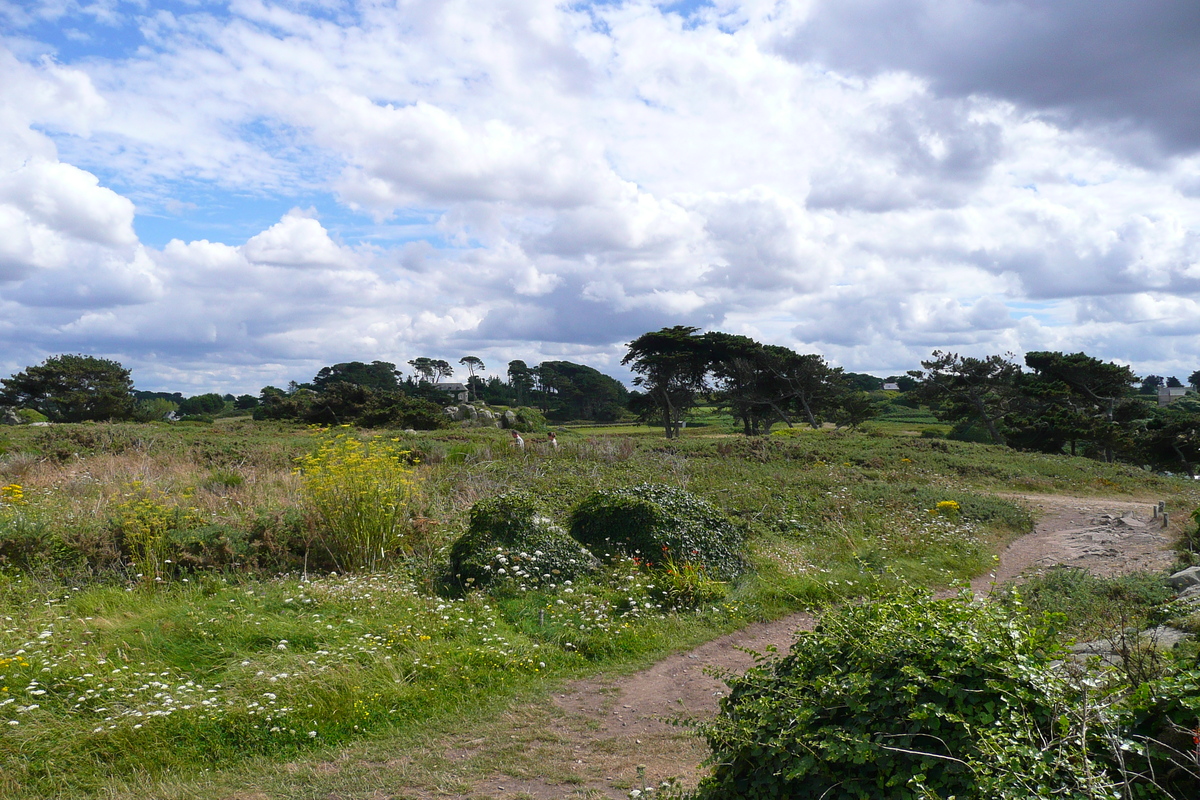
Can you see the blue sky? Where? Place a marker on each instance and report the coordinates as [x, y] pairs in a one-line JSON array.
[[224, 195]]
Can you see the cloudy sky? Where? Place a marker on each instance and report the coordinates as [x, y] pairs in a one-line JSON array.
[[223, 194]]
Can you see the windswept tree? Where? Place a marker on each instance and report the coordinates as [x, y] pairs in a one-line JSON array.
[[742, 383], [805, 381], [472, 363], [441, 369], [961, 388], [1088, 392], [72, 388], [671, 366]]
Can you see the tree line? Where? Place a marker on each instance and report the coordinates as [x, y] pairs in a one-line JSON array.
[[1051, 402], [1062, 402]]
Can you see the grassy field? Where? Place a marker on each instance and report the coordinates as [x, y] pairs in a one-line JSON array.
[[242, 650]]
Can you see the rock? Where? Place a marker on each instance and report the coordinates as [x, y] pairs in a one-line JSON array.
[[1132, 522], [410, 431], [485, 414], [1190, 595], [1185, 578], [8, 416], [508, 419], [1163, 637]]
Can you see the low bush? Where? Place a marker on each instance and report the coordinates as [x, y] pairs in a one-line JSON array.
[[910, 698], [658, 524], [508, 540]]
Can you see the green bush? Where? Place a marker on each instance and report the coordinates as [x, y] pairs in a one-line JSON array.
[[509, 541], [27, 544], [29, 415], [909, 698], [658, 524]]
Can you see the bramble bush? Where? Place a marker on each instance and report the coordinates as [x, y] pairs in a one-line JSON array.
[[913, 698], [508, 539], [659, 524]]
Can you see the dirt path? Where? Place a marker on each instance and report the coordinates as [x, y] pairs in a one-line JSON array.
[[599, 738]]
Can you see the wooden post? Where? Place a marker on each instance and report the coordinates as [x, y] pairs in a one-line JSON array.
[[1166, 519]]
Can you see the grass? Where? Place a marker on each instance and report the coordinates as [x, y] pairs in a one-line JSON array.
[[218, 675]]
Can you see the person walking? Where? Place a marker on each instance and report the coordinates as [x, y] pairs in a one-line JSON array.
[[553, 440], [517, 441]]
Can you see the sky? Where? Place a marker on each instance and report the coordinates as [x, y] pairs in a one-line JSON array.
[[225, 194]]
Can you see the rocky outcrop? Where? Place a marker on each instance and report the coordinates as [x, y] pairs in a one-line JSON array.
[[1185, 579]]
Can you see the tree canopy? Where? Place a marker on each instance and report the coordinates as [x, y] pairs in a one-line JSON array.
[[72, 388], [381, 375]]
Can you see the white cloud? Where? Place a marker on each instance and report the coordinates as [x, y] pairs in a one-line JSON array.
[[296, 241], [564, 178]]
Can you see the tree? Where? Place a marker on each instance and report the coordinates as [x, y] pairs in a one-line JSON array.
[[853, 409], [441, 369], [744, 383], [1091, 388], [520, 378], [577, 391], [381, 375], [806, 380], [472, 363], [671, 365], [1171, 439], [862, 382], [1150, 384], [72, 388], [963, 388], [423, 367], [1174, 383], [1194, 380]]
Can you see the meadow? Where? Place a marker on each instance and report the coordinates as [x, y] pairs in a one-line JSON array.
[[169, 609]]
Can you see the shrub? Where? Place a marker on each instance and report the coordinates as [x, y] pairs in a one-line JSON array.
[[144, 522], [508, 540], [25, 541], [656, 524], [909, 698], [210, 547], [360, 492]]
